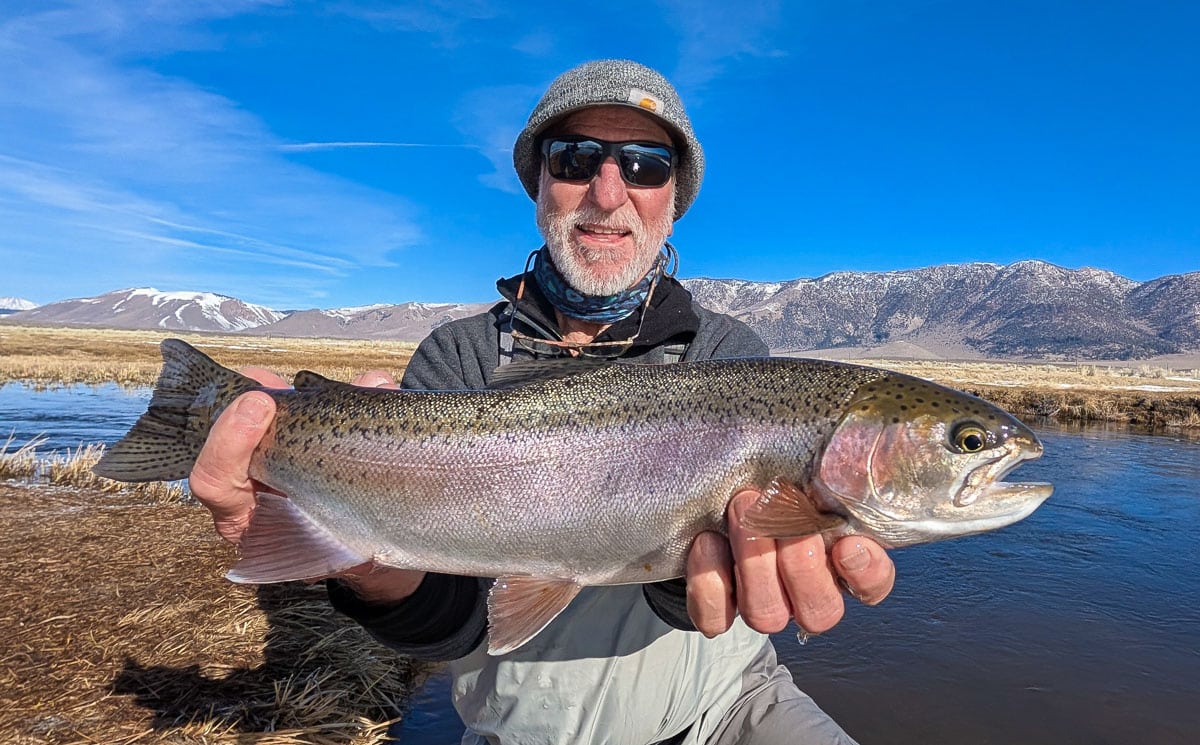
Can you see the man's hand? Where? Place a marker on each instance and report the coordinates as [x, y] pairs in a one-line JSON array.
[[220, 480], [770, 581]]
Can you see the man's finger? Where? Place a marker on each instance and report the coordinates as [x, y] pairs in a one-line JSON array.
[[267, 378], [375, 379], [813, 592], [220, 478], [865, 568], [761, 599], [710, 588]]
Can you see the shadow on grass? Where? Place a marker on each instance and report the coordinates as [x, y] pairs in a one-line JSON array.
[[318, 670]]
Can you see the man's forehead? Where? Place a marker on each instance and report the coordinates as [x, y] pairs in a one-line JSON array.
[[634, 123]]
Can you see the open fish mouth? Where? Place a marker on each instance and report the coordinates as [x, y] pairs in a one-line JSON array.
[[987, 482]]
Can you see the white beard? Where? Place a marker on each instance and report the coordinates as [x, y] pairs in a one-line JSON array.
[[576, 262]]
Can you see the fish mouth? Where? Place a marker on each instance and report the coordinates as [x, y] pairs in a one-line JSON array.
[[987, 481]]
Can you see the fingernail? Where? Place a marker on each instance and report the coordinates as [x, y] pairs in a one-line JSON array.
[[856, 561], [252, 410]]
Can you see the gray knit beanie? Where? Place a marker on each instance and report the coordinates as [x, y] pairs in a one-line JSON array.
[[620, 82]]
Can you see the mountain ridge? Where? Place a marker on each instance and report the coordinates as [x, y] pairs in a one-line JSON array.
[[1028, 309]]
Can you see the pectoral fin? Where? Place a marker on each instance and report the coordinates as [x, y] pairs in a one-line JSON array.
[[785, 511], [520, 607], [283, 543]]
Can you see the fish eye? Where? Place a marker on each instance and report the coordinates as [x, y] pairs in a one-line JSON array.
[[969, 438]]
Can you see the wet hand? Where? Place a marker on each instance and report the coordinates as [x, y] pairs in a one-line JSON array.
[[771, 581]]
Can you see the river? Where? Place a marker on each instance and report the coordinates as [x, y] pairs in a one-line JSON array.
[[1080, 624]]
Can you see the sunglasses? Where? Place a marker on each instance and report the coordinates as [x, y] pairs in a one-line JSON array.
[[579, 158]]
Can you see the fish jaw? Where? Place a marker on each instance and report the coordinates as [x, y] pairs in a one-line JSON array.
[[893, 464]]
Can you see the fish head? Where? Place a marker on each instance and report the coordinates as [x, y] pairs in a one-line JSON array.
[[912, 462]]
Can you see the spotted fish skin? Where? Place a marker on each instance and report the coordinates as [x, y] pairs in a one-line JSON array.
[[567, 474]]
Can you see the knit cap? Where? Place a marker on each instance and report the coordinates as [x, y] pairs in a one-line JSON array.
[[620, 82]]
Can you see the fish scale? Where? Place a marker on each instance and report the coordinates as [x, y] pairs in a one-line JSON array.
[[570, 473]]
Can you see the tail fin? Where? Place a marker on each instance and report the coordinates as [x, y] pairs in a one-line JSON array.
[[192, 390]]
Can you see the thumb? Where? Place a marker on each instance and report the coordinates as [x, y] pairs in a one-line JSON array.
[[220, 478]]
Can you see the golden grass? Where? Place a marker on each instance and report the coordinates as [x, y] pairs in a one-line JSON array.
[[1141, 395], [118, 627], [22, 463], [74, 468], [45, 355], [1064, 376]]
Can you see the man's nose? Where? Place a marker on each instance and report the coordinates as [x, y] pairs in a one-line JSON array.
[[607, 189]]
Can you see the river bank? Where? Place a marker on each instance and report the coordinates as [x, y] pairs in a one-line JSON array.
[[1154, 394], [117, 626]]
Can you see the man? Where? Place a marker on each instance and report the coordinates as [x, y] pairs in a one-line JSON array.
[[610, 158]]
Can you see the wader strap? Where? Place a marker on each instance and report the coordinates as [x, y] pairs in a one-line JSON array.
[[505, 340]]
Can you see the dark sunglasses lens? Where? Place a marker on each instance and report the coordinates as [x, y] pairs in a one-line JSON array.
[[642, 165], [579, 160], [573, 161]]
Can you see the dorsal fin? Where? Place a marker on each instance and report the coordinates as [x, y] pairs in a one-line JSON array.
[[521, 373], [307, 380]]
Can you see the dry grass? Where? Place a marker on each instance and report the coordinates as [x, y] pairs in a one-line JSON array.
[[21, 463], [74, 468], [60, 355], [1051, 376], [117, 627], [1141, 395]]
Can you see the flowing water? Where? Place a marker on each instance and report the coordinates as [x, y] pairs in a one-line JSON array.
[[1080, 624], [68, 416]]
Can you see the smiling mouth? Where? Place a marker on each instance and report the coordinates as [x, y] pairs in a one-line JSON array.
[[603, 231]]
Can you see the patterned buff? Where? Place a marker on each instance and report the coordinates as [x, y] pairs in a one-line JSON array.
[[599, 309]]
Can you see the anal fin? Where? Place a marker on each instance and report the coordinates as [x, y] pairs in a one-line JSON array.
[[520, 607], [283, 543], [783, 510]]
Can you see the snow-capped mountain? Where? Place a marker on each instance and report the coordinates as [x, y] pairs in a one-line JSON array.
[[146, 307], [15, 304]]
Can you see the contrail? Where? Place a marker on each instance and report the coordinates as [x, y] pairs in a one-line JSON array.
[[301, 146]]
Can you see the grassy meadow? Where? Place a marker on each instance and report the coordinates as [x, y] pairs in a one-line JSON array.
[[118, 627], [45, 355]]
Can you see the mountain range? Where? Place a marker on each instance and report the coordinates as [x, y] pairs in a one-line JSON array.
[[1029, 309]]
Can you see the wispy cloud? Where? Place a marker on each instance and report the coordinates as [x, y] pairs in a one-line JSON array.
[[442, 19], [306, 146], [493, 117], [715, 34], [156, 173]]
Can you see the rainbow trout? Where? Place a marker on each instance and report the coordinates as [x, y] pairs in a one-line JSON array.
[[567, 474]]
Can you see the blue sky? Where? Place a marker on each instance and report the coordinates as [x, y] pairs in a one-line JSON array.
[[303, 155]]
